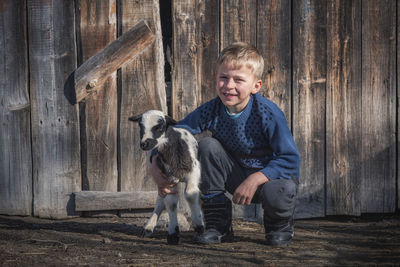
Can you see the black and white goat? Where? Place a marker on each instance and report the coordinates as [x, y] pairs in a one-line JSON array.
[[177, 159]]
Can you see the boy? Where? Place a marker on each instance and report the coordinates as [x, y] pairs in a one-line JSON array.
[[251, 153]]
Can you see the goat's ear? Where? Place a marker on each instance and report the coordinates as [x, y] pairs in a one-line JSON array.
[[170, 121], [136, 118]]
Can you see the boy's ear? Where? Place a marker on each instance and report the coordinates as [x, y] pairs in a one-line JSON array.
[[170, 121], [257, 87], [136, 118]]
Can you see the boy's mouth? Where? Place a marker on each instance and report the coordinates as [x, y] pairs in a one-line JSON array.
[[228, 95]]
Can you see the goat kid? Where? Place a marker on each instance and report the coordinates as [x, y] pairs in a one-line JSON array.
[[177, 159]]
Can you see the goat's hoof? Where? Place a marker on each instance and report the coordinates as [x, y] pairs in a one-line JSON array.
[[173, 239], [199, 229], [147, 233]]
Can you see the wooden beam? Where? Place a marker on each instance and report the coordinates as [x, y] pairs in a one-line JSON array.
[[95, 71], [102, 200]]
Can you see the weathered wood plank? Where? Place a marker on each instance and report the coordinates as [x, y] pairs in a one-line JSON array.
[[142, 88], [238, 22], [102, 200], [55, 124], [343, 132], [195, 43], [208, 34], [274, 43], [185, 95], [398, 110], [97, 28], [378, 106], [309, 86], [95, 71], [15, 136]]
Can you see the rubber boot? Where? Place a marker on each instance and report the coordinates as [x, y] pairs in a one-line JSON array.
[[217, 209], [278, 233]]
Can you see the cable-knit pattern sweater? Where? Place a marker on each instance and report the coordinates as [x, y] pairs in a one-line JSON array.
[[259, 138]]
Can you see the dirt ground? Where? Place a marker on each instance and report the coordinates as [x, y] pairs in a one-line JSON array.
[[27, 241]]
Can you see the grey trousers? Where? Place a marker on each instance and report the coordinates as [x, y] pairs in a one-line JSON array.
[[220, 173]]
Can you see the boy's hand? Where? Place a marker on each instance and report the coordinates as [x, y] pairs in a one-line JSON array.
[[163, 185], [245, 192]]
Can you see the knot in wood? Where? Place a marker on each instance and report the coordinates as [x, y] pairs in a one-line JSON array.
[[92, 83]]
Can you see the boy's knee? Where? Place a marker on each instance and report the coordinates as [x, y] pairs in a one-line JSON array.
[[209, 146], [279, 197]]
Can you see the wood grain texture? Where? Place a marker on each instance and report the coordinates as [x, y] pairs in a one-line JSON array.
[[398, 110], [274, 43], [142, 88], [309, 86], [238, 22], [378, 106], [195, 52], [55, 124], [103, 200], [95, 71], [343, 126], [15, 136], [97, 28]]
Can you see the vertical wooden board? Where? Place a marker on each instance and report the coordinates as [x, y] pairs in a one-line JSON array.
[[97, 28], [398, 109], [309, 82], [208, 34], [343, 116], [142, 88], [195, 49], [274, 43], [15, 137], [238, 22], [185, 95], [378, 106], [55, 125]]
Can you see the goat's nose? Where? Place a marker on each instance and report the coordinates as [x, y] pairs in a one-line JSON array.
[[144, 145]]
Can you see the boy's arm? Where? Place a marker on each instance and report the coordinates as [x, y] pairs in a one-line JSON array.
[[286, 161], [284, 165]]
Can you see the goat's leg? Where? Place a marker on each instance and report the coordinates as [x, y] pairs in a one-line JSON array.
[[171, 203], [192, 195], [152, 221]]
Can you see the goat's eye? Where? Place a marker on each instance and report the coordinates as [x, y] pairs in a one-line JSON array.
[[158, 128]]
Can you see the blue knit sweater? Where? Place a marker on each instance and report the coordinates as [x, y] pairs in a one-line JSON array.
[[259, 138]]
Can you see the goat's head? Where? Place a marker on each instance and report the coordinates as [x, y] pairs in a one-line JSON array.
[[153, 124]]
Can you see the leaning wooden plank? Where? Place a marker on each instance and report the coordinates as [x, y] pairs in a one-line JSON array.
[[94, 72], [378, 106], [55, 123], [101, 200], [343, 110], [142, 88], [98, 113], [15, 136], [309, 87]]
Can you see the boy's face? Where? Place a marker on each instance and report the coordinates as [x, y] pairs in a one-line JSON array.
[[234, 86]]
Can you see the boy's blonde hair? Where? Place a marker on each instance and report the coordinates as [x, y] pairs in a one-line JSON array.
[[241, 54]]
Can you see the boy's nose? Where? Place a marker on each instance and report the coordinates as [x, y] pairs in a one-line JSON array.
[[230, 84]]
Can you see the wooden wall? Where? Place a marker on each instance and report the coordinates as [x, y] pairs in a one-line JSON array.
[[330, 65]]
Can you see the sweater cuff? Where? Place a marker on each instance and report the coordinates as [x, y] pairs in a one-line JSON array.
[[270, 173], [153, 152]]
